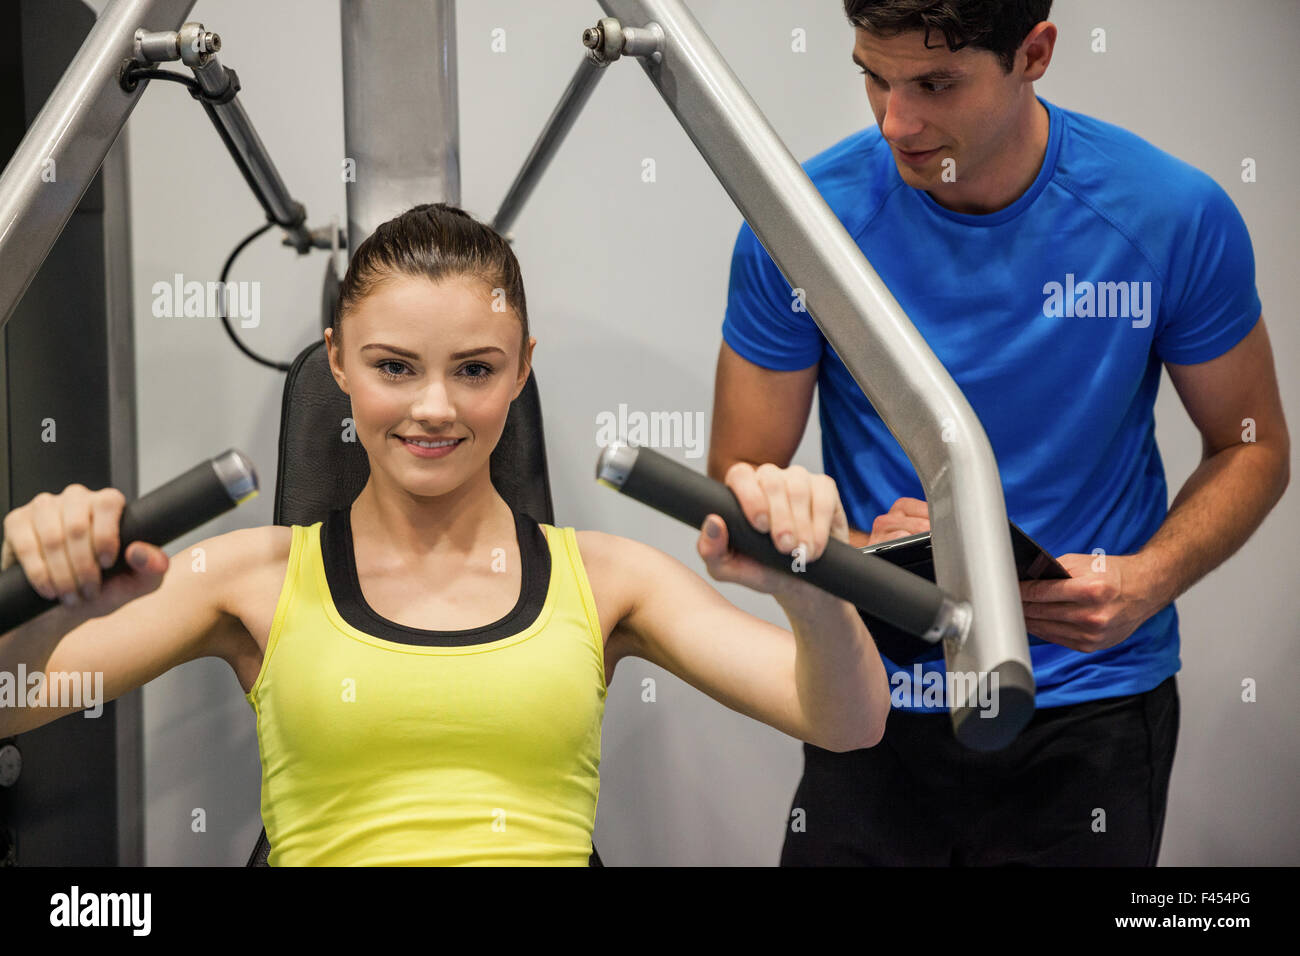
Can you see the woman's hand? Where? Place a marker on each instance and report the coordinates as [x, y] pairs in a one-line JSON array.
[[64, 541], [797, 508]]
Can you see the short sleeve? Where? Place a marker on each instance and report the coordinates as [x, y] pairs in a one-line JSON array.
[[761, 323], [1210, 302]]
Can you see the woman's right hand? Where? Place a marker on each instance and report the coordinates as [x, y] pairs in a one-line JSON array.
[[64, 542], [905, 516]]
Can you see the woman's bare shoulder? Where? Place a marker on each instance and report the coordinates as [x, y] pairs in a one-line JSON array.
[[599, 552], [270, 541], [615, 549], [622, 568], [602, 554], [255, 560], [605, 559], [256, 548]]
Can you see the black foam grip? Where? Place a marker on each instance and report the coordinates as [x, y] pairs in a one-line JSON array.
[[865, 581], [166, 513]]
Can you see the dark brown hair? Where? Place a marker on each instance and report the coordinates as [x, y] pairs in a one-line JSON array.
[[999, 26], [434, 241]]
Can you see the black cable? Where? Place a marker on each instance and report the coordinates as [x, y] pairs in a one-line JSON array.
[[225, 271], [144, 74], [131, 77], [134, 75]]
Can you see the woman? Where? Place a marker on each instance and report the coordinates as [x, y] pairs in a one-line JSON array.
[[384, 742]]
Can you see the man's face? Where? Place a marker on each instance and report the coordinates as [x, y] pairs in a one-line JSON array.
[[938, 110]]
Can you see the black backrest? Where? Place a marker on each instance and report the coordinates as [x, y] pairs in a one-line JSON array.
[[319, 470]]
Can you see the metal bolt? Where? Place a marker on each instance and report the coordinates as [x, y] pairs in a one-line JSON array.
[[591, 38]]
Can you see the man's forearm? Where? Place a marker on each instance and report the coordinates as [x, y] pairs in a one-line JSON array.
[[1219, 506]]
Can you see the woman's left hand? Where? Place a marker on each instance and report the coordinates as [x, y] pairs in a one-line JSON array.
[[798, 509]]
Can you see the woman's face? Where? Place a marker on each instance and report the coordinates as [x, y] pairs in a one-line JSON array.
[[432, 362]]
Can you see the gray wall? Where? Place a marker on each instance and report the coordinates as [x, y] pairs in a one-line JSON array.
[[627, 284]]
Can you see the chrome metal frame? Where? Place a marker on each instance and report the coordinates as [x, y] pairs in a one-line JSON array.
[[64, 148], [575, 96], [401, 120], [904, 381]]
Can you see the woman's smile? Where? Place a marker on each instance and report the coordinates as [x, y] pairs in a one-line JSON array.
[[441, 449]]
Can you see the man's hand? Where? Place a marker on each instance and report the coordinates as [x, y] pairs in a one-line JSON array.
[[1104, 601], [906, 516]]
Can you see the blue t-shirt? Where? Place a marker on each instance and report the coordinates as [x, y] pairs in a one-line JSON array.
[[1062, 371]]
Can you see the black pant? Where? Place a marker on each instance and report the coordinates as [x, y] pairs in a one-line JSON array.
[[1082, 785]]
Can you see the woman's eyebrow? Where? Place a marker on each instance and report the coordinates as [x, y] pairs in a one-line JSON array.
[[412, 355], [390, 348]]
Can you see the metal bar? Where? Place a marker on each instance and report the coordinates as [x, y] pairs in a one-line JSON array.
[[240, 136], [401, 125], [121, 421], [910, 389], [575, 96], [196, 47], [57, 159]]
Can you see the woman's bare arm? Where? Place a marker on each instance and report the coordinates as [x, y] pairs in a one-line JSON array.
[[185, 618], [823, 683]]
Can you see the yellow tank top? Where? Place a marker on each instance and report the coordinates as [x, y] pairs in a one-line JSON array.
[[384, 745]]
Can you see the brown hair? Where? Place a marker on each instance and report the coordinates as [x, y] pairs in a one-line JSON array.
[[434, 241], [999, 26]]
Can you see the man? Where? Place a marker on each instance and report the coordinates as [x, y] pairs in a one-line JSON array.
[[1053, 262]]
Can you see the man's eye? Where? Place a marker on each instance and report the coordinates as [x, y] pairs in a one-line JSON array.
[[929, 87]]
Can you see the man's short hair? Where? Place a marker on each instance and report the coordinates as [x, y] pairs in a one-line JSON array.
[[999, 26]]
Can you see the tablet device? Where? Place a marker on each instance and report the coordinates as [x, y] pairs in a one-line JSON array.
[[913, 553]]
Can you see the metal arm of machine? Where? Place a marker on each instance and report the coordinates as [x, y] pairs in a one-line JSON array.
[[197, 47], [904, 381], [605, 43], [910, 389], [66, 144], [575, 96]]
